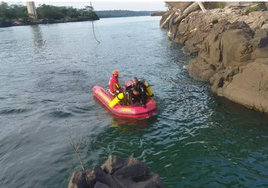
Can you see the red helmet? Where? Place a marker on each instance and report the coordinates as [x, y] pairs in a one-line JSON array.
[[115, 72]]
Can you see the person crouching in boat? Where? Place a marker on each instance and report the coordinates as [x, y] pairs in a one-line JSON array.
[[138, 94], [114, 87]]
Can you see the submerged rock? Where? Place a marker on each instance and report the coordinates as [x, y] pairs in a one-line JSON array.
[[117, 172]]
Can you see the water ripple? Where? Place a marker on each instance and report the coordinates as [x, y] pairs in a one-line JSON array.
[[14, 111], [196, 140]]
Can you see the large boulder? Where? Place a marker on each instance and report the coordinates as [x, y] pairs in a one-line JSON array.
[[227, 46], [193, 30], [125, 168], [77, 180], [117, 172], [247, 85], [234, 59], [232, 48], [201, 70]]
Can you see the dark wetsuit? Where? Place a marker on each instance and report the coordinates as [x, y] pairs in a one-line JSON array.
[[141, 97]]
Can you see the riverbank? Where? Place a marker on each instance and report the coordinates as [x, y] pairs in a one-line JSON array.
[[46, 80], [231, 45], [17, 15], [21, 22]]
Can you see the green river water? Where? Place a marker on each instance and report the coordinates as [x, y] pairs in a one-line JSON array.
[[46, 77]]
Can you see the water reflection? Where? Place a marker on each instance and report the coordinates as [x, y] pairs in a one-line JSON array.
[[37, 36], [132, 124], [126, 123]]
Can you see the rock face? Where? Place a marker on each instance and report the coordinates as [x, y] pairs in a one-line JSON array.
[[232, 48], [247, 85], [117, 172], [195, 28], [234, 59]]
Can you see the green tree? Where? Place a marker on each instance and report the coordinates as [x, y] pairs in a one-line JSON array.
[[10, 13]]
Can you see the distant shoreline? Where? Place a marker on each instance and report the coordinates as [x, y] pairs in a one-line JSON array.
[[121, 13], [39, 22], [46, 21], [17, 15]]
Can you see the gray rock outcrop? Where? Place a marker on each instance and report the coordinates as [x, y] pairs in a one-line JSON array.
[[117, 172], [232, 49]]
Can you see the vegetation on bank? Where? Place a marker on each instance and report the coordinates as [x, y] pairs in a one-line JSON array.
[[121, 13], [8, 13], [53, 12], [16, 14], [256, 6]]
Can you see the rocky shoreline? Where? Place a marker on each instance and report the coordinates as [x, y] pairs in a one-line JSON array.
[[117, 172], [231, 45]]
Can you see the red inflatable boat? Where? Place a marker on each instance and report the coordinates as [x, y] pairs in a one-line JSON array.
[[136, 112]]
